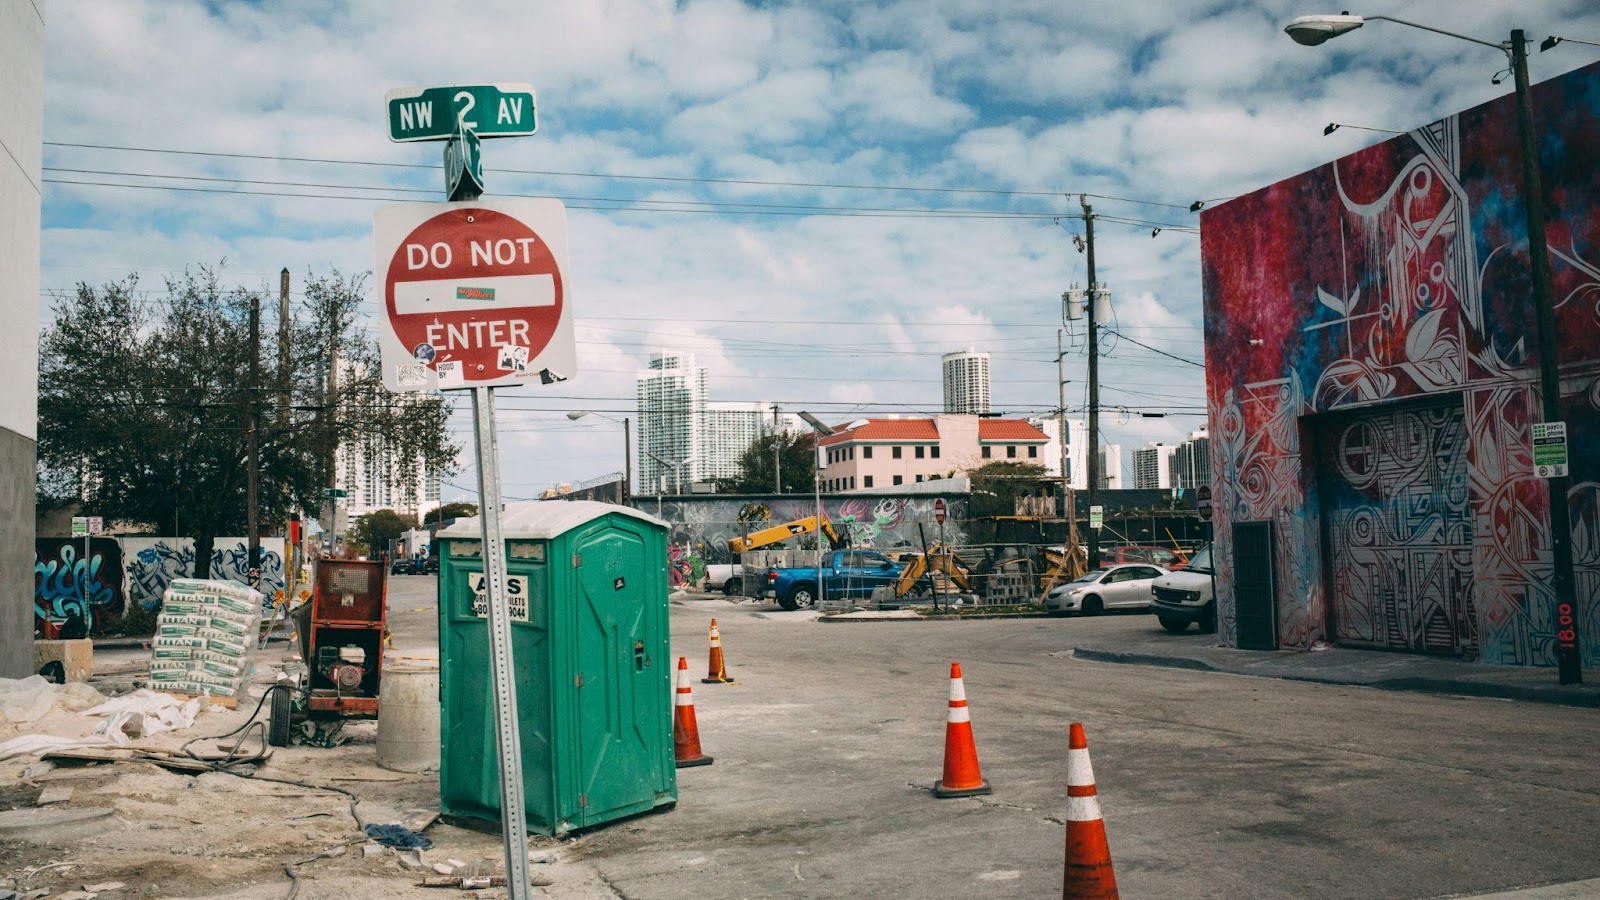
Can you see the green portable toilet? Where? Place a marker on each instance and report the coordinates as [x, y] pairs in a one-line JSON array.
[[587, 584]]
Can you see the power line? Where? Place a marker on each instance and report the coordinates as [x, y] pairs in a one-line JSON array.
[[1154, 350]]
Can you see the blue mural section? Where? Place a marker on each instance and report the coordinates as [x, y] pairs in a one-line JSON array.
[[76, 591]]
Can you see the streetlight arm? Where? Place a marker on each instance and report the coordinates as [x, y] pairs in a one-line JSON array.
[[1504, 46]]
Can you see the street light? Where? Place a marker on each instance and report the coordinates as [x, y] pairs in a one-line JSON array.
[[1313, 30], [627, 449]]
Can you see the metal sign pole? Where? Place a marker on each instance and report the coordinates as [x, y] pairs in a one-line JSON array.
[[513, 814]]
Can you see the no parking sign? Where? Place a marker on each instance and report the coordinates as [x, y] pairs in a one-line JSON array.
[[475, 294]]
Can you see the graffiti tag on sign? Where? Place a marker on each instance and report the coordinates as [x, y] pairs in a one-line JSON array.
[[516, 594]]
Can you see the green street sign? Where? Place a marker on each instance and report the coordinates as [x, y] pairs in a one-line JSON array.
[[437, 113], [463, 167], [1550, 449], [334, 493], [80, 526], [1097, 517]]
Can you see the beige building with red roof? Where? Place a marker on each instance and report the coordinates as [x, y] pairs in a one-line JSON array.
[[880, 453]]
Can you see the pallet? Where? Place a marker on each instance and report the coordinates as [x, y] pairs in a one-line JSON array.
[[224, 702]]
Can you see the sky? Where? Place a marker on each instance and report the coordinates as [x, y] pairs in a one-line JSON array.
[[817, 199]]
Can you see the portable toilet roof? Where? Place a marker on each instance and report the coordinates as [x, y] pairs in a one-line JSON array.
[[544, 519]]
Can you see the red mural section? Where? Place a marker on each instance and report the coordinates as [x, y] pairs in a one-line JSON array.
[[1392, 277]]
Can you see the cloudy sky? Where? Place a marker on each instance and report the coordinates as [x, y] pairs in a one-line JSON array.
[[817, 198]]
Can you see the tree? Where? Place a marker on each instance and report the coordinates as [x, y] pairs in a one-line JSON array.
[[144, 398], [445, 513], [797, 465], [377, 530], [996, 486]]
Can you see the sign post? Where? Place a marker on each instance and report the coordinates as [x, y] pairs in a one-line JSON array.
[[475, 296]]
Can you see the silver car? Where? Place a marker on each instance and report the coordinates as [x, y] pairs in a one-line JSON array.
[[1127, 586]]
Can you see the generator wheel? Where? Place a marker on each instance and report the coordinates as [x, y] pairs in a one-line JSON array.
[[278, 722]]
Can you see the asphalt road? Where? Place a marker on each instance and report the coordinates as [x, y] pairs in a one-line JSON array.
[[1213, 786]]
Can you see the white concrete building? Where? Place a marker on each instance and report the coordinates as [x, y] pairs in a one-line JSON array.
[[677, 422], [21, 130], [728, 431], [1152, 466], [370, 473], [966, 382], [1191, 461], [1077, 462]]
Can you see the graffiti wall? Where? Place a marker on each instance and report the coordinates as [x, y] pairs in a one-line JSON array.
[[121, 572], [75, 589], [1371, 367], [702, 526]]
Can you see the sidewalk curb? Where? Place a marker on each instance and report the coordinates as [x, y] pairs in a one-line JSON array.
[[978, 616], [1553, 694]]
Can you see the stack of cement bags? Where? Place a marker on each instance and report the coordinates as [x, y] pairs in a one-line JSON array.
[[205, 638]]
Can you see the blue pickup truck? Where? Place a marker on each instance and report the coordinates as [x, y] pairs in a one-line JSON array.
[[846, 574]]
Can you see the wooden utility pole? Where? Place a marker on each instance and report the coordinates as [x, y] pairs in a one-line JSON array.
[[777, 451], [330, 409], [253, 443], [1092, 452], [291, 566]]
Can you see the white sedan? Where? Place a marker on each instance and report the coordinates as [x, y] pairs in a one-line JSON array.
[[1127, 586]]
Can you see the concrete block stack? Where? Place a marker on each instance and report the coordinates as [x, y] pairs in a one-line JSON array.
[[205, 638]]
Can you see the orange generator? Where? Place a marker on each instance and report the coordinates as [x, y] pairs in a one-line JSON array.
[[348, 609]]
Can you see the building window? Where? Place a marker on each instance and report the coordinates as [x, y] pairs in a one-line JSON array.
[[1033, 452], [852, 482], [898, 479], [1011, 451], [919, 479], [866, 452], [894, 452], [866, 481], [919, 451], [935, 449], [986, 452]]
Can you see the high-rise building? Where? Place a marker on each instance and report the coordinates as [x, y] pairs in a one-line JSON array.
[[966, 382], [1191, 462], [671, 395], [1077, 461], [683, 437], [372, 474], [1111, 467], [1152, 466]]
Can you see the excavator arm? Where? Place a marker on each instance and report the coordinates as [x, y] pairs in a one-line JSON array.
[[768, 536]]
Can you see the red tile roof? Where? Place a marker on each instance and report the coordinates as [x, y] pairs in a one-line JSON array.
[[1014, 430], [887, 430]]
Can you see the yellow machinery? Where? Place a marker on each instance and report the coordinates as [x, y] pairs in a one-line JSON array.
[[940, 559], [785, 531], [1063, 566]]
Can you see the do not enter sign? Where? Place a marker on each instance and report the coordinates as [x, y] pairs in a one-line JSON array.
[[475, 294]]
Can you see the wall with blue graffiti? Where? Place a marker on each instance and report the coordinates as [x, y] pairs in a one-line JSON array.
[[121, 572], [73, 586]]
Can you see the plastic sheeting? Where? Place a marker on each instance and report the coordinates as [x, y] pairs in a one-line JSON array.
[[140, 714], [30, 699]]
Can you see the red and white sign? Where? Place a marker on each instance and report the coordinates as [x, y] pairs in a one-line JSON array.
[[938, 510], [475, 294]]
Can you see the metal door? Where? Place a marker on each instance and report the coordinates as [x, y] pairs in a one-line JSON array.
[[1254, 599], [619, 721], [1397, 529]]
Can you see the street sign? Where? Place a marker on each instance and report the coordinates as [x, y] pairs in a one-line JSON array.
[[463, 166], [1202, 502], [80, 526], [435, 113], [938, 510], [1097, 516], [474, 294], [1550, 449], [97, 525], [334, 493]]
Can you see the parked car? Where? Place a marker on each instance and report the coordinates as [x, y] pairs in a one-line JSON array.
[[846, 573], [1185, 597], [1114, 587], [725, 577], [1165, 557], [403, 565], [430, 565]]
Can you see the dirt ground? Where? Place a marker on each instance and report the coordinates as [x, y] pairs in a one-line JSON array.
[[166, 834]]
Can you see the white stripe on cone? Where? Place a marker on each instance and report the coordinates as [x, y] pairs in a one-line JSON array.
[[684, 698], [958, 691], [1079, 772], [958, 714], [1083, 809]]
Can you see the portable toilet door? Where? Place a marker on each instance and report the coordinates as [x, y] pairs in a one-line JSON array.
[[622, 651]]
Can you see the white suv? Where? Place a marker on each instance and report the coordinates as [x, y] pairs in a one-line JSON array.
[[1186, 596]]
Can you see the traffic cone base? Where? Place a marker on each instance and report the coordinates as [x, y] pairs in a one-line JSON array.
[[685, 730], [962, 777], [1088, 872], [717, 667]]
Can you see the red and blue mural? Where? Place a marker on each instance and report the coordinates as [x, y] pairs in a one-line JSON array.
[[1371, 358]]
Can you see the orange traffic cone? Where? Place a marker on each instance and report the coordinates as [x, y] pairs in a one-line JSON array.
[[718, 673], [961, 775], [1088, 869], [685, 732]]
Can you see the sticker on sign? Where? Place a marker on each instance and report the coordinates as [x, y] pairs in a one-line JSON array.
[[1550, 450], [475, 292], [516, 594]]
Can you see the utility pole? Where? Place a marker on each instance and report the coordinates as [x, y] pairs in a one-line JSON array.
[[777, 451], [1069, 506], [291, 564], [253, 442], [627, 460], [331, 411], [1092, 452]]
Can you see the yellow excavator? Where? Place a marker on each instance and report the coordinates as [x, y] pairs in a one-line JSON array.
[[776, 533], [939, 558]]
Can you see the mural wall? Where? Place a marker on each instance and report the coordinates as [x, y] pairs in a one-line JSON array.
[[1400, 273], [121, 572], [702, 526]]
